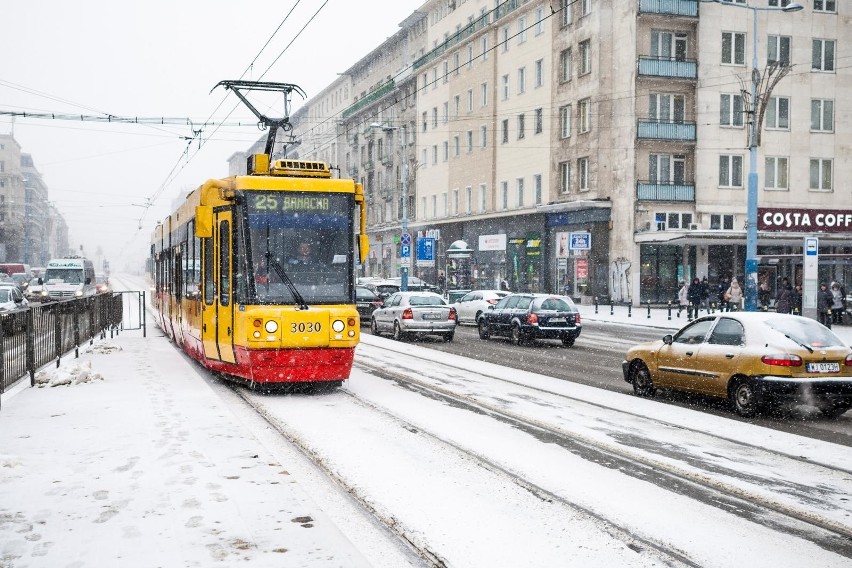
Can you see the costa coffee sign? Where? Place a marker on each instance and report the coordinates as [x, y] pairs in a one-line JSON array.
[[804, 220]]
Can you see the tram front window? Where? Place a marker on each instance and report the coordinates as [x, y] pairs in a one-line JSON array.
[[308, 237]]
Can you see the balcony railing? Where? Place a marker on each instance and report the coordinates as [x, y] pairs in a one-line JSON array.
[[667, 67], [665, 191], [669, 7], [656, 130]]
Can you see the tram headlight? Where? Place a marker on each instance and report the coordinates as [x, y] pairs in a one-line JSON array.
[[338, 325], [271, 327], [256, 335]]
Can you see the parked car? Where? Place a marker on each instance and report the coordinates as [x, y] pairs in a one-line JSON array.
[[35, 291], [414, 284], [382, 288], [21, 280], [407, 314], [526, 317], [754, 359], [470, 306], [102, 283], [12, 300], [366, 302]]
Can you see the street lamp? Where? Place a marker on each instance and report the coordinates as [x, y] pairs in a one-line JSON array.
[[403, 270], [751, 223]]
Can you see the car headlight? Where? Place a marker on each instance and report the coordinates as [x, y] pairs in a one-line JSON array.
[[338, 325], [270, 327], [78, 293]]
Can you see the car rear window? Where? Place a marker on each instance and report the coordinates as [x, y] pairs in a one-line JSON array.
[[804, 331], [555, 304], [426, 301]]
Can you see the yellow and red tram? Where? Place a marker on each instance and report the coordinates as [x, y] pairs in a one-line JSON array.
[[228, 292]]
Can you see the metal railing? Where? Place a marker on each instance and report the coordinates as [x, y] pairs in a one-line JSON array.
[[42, 333]]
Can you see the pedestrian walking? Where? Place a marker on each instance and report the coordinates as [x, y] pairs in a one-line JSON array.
[[783, 300], [734, 296], [705, 294], [683, 298], [796, 300], [824, 301], [838, 295], [723, 292], [693, 294]]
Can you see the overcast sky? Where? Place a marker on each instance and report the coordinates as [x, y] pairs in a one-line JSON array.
[[159, 59]]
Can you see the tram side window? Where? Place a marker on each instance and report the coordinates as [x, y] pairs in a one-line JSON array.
[[209, 290], [224, 263], [178, 271], [240, 263]]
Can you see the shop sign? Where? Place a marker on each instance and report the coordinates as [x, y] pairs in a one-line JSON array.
[[492, 242], [582, 265], [804, 220]]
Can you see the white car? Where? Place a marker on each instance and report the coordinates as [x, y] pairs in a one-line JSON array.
[[409, 314], [12, 300], [470, 306]]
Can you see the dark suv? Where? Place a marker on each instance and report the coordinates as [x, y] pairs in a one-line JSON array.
[[523, 317], [366, 302]]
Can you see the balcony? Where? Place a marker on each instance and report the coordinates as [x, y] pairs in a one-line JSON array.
[[669, 7], [656, 130], [668, 67], [665, 191]]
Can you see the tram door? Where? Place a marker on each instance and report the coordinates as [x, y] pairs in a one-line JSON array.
[[218, 316]]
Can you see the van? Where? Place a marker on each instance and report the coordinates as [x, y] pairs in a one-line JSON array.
[[66, 278], [10, 268]]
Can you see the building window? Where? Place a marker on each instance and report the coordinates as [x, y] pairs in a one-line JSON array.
[[434, 78], [483, 136], [505, 130], [779, 3], [585, 7], [539, 21], [537, 188], [446, 152], [539, 120], [483, 197], [730, 171], [669, 45], [456, 146], [778, 50], [778, 113], [455, 204], [504, 88], [583, 173], [564, 177], [565, 121], [721, 222], [825, 6], [776, 172], [667, 168], [522, 80], [434, 206], [446, 76], [585, 57], [445, 115], [469, 141], [434, 117], [521, 126], [822, 55], [539, 73], [522, 29], [822, 115], [504, 33], [469, 56], [565, 65], [468, 200], [483, 91], [566, 12], [584, 114], [504, 194], [456, 63], [664, 107], [730, 110], [456, 105], [434, 153], [425, 120], [483, 42], [733, 48], [519, 184], [470, 100], [445, 206], [820, 174]]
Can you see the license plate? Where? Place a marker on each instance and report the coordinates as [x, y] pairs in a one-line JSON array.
[[432, 316], [557, 320], [823, 367]]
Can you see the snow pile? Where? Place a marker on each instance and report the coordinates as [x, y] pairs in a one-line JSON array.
[[9, 461], [73, 375], [104, 347]]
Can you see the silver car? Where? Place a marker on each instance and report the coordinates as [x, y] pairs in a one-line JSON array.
[[407, 314]]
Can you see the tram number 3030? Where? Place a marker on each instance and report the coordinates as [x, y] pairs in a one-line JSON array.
[[302, 327]]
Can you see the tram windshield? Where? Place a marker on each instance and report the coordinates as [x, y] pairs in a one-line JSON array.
[[309, 237]]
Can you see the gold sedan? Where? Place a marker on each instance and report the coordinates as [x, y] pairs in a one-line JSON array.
[[754, 359]]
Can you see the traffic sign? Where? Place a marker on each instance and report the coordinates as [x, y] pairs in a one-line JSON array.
[[425, 251], [405, 239], [405, 251]]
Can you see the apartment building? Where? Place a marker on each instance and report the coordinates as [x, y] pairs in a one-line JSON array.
[[622, 123]]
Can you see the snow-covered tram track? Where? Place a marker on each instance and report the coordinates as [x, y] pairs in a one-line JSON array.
[[815, 508]]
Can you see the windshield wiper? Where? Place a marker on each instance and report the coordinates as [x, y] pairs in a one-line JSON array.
[[279, 270], [796, 341]]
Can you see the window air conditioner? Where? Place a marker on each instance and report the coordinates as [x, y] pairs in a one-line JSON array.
[[693, 227]]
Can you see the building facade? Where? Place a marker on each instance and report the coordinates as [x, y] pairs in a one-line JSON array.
[[601, 146]]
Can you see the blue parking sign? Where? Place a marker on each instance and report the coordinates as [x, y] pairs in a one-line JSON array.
[[426, 251], [405, 251]]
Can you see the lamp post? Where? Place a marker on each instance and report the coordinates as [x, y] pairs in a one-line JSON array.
[[403, 270], [751, 207]]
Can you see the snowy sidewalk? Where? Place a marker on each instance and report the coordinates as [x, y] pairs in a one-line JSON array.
[[136, 461]]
